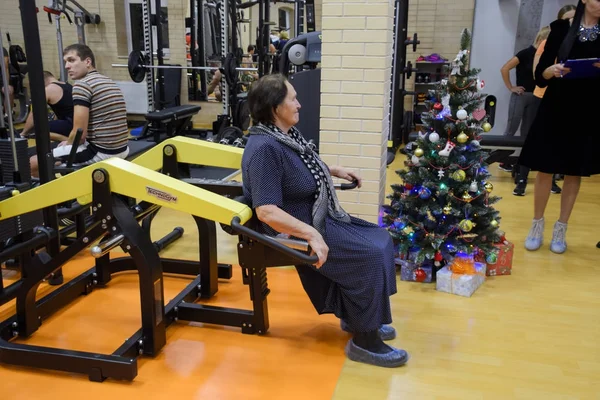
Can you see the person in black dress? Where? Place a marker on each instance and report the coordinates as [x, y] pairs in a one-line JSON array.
[[564, 137], [292, 193]]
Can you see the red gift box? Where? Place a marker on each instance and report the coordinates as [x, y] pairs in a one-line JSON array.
[[503, 264]]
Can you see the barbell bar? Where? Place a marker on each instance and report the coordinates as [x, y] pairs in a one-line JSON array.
[[136, 64], [180, 67]]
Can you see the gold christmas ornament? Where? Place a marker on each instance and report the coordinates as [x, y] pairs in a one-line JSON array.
[[462, 138], [467, 197], [487, 127], [459, 175], [465, 225], [489, 187], [494, 223], [447, 209], [407, 230], [419, 152]]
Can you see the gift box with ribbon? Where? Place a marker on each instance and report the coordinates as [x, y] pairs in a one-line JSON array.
[[412, 272], [461, 277], [499, 260]]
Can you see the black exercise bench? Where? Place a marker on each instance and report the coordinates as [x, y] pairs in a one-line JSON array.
[[171, 121]]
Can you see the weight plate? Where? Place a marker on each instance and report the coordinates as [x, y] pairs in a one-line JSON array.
[[135, 65]]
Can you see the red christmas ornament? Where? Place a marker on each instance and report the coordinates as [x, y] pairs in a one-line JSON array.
[[437, 259], [420, 275], [438, 107], [408, 186]]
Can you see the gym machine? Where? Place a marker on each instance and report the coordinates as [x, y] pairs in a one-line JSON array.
[[141, 66], [401, 121], [58, 8], [299, 59], [18, 62]]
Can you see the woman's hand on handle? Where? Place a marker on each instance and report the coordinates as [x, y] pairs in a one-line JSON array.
[[283, 222], [345, 173], [319, 248]]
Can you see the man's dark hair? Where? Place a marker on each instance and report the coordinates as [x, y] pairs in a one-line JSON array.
[[82, 52], [48, 75], [250, 48], [265, 95]]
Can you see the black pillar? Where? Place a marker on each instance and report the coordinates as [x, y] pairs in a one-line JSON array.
[[33, 48]]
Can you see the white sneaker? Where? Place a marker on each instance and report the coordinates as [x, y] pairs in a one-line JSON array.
[[559, 241], [536, 235]]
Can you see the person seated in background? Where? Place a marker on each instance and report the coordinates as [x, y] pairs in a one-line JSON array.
[[292, 193], [215, 84], [11, 84], [59, 96], [248, 62], [99, 110]]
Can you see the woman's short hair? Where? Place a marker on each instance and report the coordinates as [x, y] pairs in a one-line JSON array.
[[265, 95]]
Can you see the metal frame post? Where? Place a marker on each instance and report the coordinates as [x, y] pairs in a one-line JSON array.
[[159, 54], [148, 49], [31, 35], [225, 50]]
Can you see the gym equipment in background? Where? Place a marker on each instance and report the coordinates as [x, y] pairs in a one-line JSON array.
[[18, 62], [58, 8], [401, 121], [299, 60]]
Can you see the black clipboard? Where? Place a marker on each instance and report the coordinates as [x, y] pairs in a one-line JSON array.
[[582, 68]]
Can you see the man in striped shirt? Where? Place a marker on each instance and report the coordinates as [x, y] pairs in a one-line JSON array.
[[99, 109]]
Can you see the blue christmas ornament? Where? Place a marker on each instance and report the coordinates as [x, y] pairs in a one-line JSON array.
[[424, 193]]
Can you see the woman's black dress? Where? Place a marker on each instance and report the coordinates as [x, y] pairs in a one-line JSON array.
[[565, 138]]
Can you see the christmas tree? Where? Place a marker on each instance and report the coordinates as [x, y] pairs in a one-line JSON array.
[[444, 206]]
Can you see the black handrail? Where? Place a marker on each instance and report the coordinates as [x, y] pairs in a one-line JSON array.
[[271, 242], [346, 186]]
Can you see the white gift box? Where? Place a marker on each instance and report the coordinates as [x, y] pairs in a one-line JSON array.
[[460, 284]]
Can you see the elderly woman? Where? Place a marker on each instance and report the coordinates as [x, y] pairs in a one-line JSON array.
[[292, 193]]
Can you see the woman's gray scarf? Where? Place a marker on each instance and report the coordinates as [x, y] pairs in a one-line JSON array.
[[326, 201]]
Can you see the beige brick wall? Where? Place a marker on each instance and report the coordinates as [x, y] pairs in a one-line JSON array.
[[107, 40], [356, 71]]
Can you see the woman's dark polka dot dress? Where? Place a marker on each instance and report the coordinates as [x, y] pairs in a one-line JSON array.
[[359, 276]]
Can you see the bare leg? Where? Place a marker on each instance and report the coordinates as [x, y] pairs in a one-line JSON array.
[[543, 184], [568, 197]]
